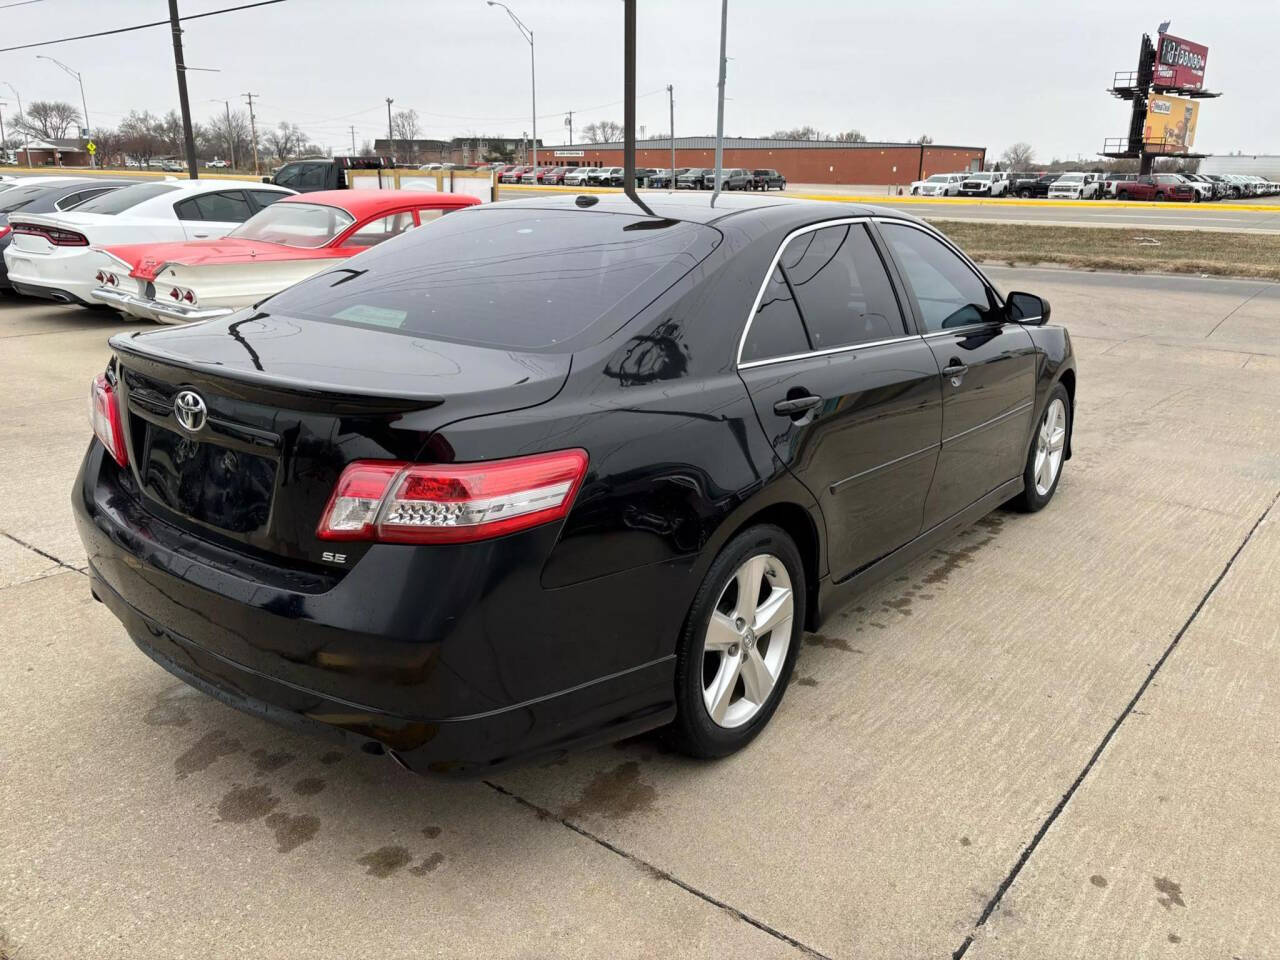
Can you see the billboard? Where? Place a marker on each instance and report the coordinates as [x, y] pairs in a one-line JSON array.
[[1171, 124], [1180, 63]]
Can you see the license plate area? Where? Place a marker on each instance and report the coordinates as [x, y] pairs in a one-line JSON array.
[[212, 484]]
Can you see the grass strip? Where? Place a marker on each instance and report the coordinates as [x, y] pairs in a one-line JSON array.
[[1119, 248]]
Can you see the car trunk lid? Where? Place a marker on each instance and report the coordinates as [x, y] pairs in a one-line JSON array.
[[286, 404]]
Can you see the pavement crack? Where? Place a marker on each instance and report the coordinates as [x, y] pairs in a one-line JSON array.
[[658, 872], [42, 553], [1107, 737], [1243, 303]]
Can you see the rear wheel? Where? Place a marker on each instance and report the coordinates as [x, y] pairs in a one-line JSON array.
[[1025, 194], [739, 643]]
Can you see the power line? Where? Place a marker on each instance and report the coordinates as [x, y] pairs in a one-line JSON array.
[[141, 26], [20, 3]]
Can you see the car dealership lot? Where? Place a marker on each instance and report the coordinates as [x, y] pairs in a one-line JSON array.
[[930, 734]]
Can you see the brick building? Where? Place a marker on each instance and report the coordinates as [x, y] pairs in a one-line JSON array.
[[800, 161]]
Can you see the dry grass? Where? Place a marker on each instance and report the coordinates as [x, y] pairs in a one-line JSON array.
[[1113, 248]]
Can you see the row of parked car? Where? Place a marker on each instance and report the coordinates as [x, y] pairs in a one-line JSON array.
[[1190, 187], [176, 251], [686, 178]]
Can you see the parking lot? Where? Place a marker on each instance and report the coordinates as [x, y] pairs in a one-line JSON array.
[[1053, 737]]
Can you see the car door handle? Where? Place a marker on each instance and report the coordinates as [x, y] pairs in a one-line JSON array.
[[794, 405], [954, 369]]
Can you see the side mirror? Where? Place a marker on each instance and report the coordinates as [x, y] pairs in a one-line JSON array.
[[1027, 308], [266, 179]]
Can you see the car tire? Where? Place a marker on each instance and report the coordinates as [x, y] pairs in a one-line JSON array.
[[1024, 194], [1047, 453], [711, 653], [1159, 198]]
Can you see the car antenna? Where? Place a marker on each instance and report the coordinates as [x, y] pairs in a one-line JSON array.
[[629, 105]]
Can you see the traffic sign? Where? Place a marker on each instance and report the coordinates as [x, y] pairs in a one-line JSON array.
[[91, 147]]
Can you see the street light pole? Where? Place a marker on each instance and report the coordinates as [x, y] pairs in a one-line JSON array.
[[231, 137], [671, 104], [724, 30], [391, 145], [533, 74], [83, 103], [22, 122]]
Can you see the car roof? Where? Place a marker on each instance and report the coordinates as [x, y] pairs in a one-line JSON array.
[[363, 203], [788, 212], [209, 186]]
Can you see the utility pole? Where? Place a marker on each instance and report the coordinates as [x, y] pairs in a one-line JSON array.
[[188, 138], [391, 145], [724, 30], [353, 140], [231, 135], [569, 123], [253, 131], [671, 104]]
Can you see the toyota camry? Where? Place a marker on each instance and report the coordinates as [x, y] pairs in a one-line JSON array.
[[548, 473]]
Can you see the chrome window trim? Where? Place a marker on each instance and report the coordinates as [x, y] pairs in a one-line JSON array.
[[977, 271], [764, 285]]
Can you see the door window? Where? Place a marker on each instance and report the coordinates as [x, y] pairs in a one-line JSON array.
[[843, 290], [265, 198], [776, 329], [384, 228], [224, 207], [947, 290]]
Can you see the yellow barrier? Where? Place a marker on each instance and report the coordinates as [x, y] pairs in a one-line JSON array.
[[126, 172]]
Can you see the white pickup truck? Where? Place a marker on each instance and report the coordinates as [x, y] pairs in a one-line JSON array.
[[1076, 186], [985, 184]]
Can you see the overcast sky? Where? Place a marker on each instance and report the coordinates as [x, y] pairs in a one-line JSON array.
[[974, 74]]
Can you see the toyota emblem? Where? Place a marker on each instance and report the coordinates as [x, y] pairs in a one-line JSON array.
[[190, 411]]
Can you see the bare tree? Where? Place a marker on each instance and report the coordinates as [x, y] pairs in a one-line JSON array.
[[603, 131], [49, 119], [924, 140], [405, 128], [1019, 156], [223, 135], [366, 149], [138, 136], [851, 136], [285, 141], [807, 132]]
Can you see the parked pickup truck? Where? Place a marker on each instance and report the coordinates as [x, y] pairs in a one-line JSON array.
[[1029, 185], [767, 180], [324, 173], [1161, 186], [985, 184]]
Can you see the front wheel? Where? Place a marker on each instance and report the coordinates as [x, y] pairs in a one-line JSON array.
[[1024, 194], [739, 643], [1048, 448]]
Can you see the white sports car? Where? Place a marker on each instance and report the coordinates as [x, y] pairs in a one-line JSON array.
[[52, 255]]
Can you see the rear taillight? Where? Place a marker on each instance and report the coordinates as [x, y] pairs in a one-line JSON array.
[[104, 416], [181, 294], [5, 231], [396, 502], [55, 235], [107, 279]]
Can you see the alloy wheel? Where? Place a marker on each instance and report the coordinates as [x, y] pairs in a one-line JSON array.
[[747, 641], [1050, 440]]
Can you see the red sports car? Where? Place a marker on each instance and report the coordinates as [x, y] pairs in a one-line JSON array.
[[287, 242]]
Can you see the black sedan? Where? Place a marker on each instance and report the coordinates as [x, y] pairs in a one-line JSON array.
[[45, 195], [549, 473]]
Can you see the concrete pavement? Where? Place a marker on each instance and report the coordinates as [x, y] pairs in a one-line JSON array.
[[1054, 737]]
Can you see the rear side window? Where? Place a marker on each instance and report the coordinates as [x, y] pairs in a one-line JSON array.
[[776, 330], [118, 201], [842, 287], [225, 207], [515, 277], [384, 228]]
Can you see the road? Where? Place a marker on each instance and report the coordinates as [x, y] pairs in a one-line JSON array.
[[1053, 737]]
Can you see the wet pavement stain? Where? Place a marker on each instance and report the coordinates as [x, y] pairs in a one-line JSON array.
[[292, 832], [270, 762], [965, 841], [953, 560], [431, 832], [204, 752], [1098, 880], [1170, 893], [241, 804], [614, 794], [1174, 938], [308, 786], [805, 681], [427, 865], [333, 756], [902, 605], [385, 861], [167, 712], [830, 643]]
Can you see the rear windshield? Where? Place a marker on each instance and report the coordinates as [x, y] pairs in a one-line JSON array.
[[16, 198], [515, 278], [118, 201]]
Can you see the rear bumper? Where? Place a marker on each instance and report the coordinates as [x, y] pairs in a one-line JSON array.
[[137, 306], [447, 680], [46, 292]]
